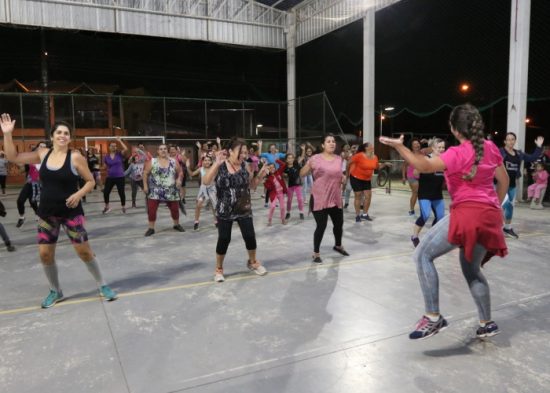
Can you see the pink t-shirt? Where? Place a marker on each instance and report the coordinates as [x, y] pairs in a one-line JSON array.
[[458, 162], [541, 177], [327, 182]]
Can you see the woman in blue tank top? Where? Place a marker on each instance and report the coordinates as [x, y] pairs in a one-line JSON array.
[[60, 203]]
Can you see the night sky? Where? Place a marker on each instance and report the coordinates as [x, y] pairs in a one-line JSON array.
[[425, 49]]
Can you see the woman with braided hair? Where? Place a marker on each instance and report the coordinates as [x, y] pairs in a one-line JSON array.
[[474, 222]]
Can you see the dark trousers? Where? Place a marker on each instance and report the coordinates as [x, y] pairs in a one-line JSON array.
[[26, 193], [135, 184], [110, 182], [3, 182], [321, 218], [224, 234]]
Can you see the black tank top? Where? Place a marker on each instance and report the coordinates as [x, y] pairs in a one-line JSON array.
[[57, 186]]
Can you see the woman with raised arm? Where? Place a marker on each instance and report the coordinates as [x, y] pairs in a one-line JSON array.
[[59, 203], [512, 162], [410, 176], [234, 179], [474, 222], [206, 192], [115, 174], [326, 194]]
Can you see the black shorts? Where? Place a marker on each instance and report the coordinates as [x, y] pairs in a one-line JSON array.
[[358, 185]]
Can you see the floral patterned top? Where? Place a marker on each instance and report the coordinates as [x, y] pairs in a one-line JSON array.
[[162, 181], [233, 191]]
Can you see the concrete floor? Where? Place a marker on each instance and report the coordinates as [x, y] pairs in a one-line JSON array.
[[337, 327]]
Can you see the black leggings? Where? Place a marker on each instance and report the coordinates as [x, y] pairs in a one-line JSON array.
[[110, 182], [26, 193], [224, 234], [321, 217], [135, 184], [3, 182]]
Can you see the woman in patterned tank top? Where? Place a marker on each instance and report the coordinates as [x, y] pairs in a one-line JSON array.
[[234, 178]]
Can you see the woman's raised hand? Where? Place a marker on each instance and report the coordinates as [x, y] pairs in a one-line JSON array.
[[221, 156], [7, 123], [393, 142]]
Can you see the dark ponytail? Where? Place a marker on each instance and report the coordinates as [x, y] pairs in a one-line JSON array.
[[467, 120]]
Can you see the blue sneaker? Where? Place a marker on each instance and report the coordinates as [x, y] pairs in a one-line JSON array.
[[489, 330], [108, 293], [52, 298], [426, 328]]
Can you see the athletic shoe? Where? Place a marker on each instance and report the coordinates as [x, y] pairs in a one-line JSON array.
[[196, 226], [108, 293], [20, 222], [426, 328], [106, 210], [538, 207], [52, 298], [123, 210], [341, 250], [178, 228], [366, 217], [10, 248], [257, 268], [411, 213], [134, 205], [415, 240], [357, 218], [301, 216], [150, 232], [266, 205], [346, 205], [287, 216], [218, 275], [317, 259], [510, 233], [489, 330], [284, 222]]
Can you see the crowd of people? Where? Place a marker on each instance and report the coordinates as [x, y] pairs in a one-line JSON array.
[[480, 179]]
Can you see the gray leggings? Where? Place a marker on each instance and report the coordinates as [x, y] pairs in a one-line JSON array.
[[434, 245]]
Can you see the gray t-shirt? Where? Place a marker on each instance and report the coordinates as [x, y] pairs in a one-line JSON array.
[[3, 167]]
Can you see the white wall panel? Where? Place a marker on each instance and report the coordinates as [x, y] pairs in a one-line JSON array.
[[4, 11]]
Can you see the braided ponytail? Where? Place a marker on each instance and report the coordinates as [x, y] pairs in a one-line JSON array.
[[467, 120]]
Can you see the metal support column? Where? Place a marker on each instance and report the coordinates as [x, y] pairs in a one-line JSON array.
[[291, 80], [518, 72], [368, 77]]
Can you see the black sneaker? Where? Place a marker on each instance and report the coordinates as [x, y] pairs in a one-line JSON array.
[[10, 248], [415, 240], [301, 216], [341, 250], [150, 232], [366, 217], [357, 218], [317, 259], [489, 330], [196, 226], [287, 216], [346, 205], [426, 328], [178, 228], [20, 222], [510, 233]]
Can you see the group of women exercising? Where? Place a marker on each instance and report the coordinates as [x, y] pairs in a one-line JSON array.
[[478, 178]]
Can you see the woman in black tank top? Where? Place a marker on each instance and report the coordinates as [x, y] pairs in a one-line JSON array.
[[60, 202]]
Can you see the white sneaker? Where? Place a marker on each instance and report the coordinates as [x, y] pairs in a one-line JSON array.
[[218, 276], [257, 268]]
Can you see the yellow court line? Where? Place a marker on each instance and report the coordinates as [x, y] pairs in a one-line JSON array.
[[207, 283], [238, 278]]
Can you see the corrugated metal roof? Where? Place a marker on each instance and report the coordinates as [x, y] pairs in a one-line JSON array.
[[284, 5]]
